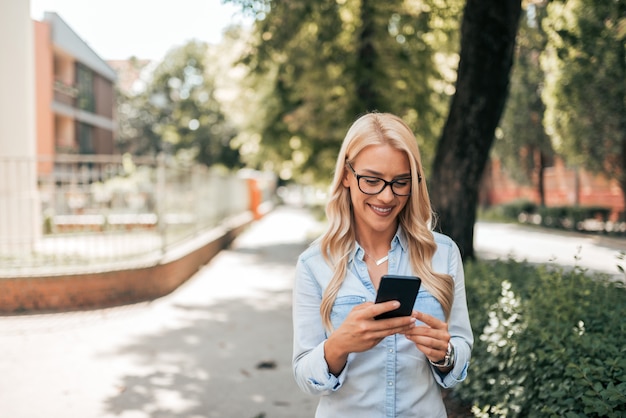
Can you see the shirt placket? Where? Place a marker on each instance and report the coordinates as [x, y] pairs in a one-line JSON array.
[[390, 343], [390, 374], [391, 346]]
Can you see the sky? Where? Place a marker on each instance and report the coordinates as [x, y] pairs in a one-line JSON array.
[[146, 29]]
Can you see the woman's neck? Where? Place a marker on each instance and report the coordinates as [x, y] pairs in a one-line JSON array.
[[375, 244]]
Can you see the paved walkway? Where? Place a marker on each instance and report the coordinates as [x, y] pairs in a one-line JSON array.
[[596, 253], [219, 346]]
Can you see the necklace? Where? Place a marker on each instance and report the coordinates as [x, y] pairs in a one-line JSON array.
[[380, 260]]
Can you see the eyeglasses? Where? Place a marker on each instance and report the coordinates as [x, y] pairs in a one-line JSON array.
[[374, 185]]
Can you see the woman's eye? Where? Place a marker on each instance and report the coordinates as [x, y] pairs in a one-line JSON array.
[[371, 181]]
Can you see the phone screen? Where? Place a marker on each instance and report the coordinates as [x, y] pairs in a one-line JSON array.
[[401, 288]]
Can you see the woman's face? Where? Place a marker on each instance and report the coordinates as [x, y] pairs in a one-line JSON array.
[[377, 213]]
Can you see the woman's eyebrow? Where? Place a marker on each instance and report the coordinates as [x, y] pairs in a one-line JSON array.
[[379, 174]]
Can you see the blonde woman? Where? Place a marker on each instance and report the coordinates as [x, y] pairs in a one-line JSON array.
[[379, 222]]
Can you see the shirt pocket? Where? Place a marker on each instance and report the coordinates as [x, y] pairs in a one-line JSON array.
[[428, 304], [342, 307]]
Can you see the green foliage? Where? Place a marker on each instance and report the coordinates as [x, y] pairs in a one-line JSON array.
[[570, 217], [585, 89], [549, 342], [134, 118], [178, 112], [568, 91], [512, 210], [522, 144], [328, 61], [562, 217]]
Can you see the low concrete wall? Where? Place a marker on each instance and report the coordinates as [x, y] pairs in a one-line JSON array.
[[112, 288]]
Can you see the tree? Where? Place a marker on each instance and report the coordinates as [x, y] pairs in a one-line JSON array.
[[585, 94], [332, 56], [488, 32], [134, 116], [330, 61], [178, 113], [522, 144]]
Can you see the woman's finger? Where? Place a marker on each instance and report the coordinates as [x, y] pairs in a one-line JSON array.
[[430, 320]]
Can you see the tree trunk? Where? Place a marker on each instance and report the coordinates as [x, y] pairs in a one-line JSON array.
[[622, 176], [367, 98], [577, 186], [488, 34], [621, 53], [541, 170]]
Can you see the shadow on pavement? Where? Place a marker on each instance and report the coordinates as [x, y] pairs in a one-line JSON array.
[[232, 360], [225, 347]]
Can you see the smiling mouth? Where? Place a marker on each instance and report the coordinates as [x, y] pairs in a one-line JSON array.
[[380, 210]]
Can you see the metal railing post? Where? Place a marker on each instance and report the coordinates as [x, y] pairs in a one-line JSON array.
[[160, 201]]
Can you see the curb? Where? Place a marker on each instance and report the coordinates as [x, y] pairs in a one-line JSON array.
[[103, 289]]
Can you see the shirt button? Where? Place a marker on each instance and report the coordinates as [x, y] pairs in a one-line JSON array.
[[390, 383], [391, 350]]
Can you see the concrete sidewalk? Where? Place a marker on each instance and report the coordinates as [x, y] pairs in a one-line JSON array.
[[219, 346], [595, 253]]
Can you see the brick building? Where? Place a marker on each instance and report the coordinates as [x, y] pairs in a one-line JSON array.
[[563, 186], [75, 94]]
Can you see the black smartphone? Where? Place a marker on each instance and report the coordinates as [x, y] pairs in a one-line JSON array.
[[404, 289]]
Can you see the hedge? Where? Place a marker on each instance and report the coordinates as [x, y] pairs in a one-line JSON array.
[[549, 342], [561, 217]]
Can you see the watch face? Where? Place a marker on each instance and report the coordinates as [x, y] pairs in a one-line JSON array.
[[450, 356]]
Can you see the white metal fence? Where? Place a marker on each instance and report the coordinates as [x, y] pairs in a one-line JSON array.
[[108, 212]]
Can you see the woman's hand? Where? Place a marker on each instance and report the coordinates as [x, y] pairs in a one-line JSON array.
[[432, 338], [360, 332]]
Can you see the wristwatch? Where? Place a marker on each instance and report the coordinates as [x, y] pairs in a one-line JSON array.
[[448, 360]]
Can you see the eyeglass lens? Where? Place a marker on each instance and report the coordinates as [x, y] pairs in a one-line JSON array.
[[375, 185]]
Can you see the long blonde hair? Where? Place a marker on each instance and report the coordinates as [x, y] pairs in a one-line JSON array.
[[416, 218]]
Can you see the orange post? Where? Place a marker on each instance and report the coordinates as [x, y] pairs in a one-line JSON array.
[[255, 198]]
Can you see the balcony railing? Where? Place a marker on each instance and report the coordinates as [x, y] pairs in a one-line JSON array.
[[112, 212]]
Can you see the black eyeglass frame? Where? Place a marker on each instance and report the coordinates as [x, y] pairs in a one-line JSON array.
[[386, 183]]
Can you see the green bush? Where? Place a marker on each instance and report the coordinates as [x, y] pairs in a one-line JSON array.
[[549, 342], [561, 217], [554, 217], [512, 210], [571, 217], [507, 212]]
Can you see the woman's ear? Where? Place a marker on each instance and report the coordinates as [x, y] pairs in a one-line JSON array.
[[345, 181]]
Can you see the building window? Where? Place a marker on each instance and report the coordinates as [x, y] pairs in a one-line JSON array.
[[84, 83], [85, 138]]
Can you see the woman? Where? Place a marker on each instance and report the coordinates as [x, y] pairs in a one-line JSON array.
[[379, 222]]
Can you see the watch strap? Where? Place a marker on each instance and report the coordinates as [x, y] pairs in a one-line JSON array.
[[447, 361]]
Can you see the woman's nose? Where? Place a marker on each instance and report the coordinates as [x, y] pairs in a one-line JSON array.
[[386, 195]]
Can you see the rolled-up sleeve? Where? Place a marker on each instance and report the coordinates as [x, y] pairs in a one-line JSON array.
[[459, 326], [309, 364]]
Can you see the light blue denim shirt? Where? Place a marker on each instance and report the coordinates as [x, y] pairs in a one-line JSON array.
[[393, 379]]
